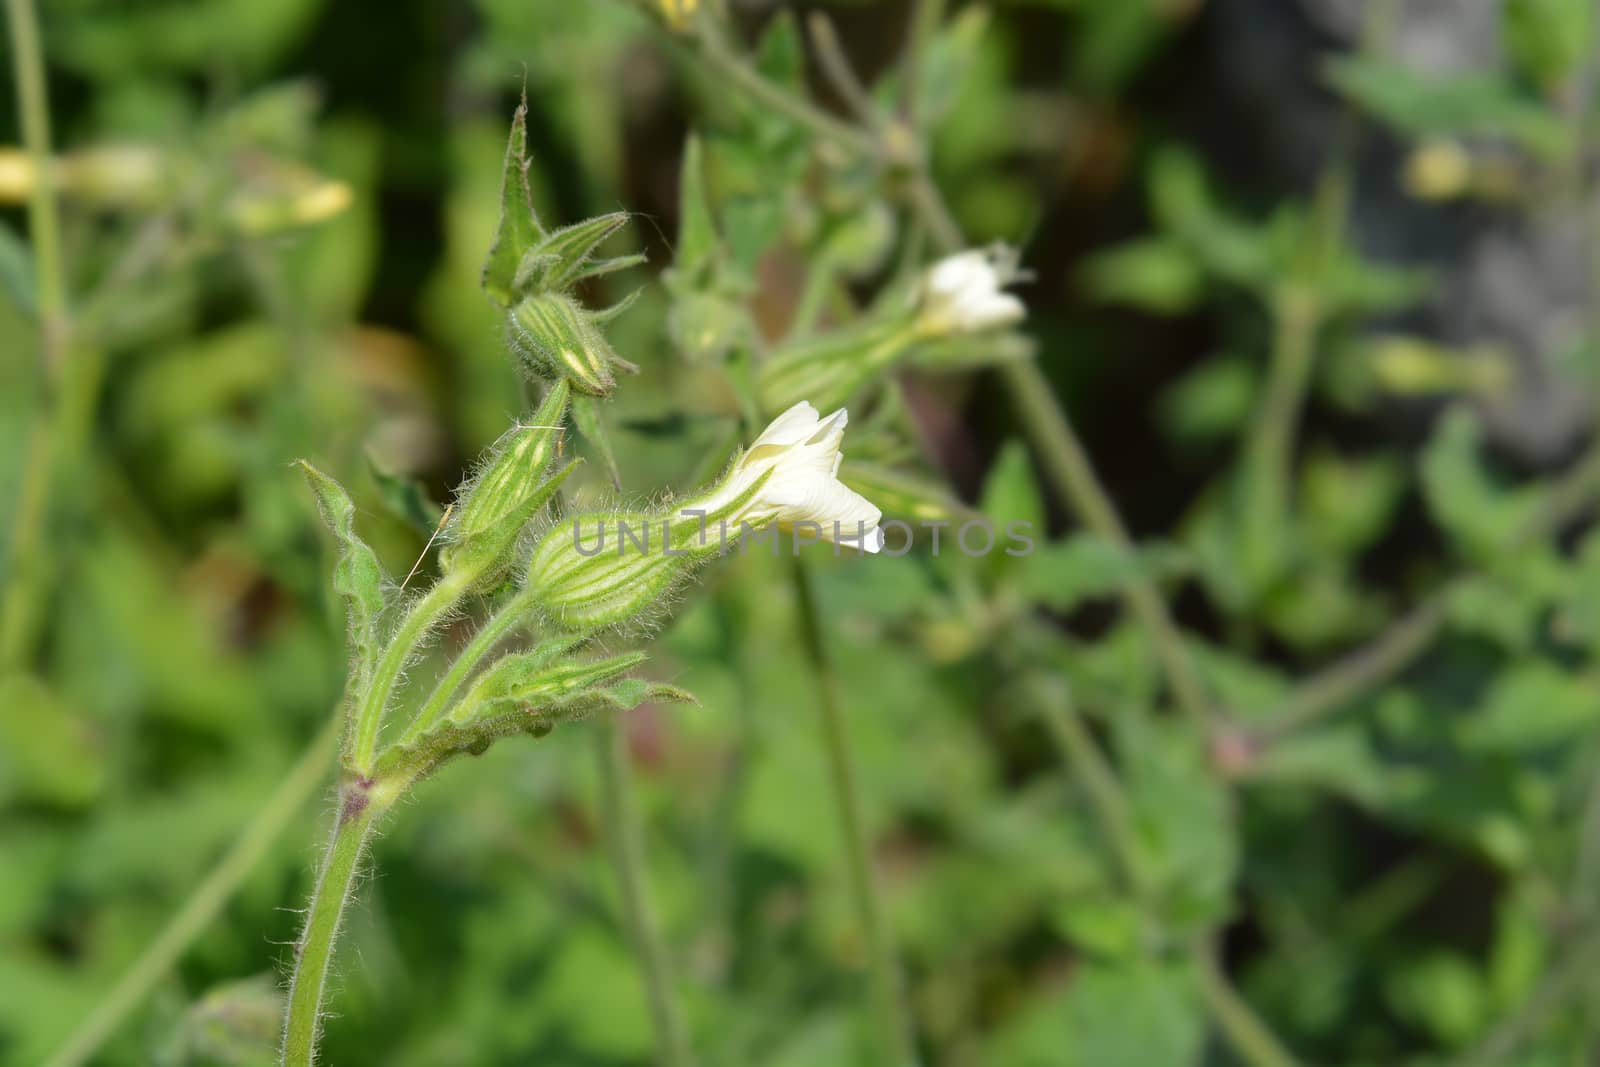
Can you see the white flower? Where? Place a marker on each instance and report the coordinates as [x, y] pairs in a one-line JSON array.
[[965, 293], [793, 470]]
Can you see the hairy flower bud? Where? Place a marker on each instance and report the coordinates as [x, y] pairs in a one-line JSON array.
[[606, 569], [511, 487], [557, 340], [830, 368]]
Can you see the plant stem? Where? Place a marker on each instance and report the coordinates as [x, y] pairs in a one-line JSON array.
[[26, 572], [1337, 686], [889, 1010], [358, 810], [624, 838], [1088, 765], [491, 633], [44, 231], [204, 903], [1244, 1031], [1068, 468], [739, 71], [1570, 976], [419, 620]]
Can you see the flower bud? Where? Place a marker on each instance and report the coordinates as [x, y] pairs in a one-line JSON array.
[[556, 339], [606, 569], [965, 293], [510, 488], [830, 369]]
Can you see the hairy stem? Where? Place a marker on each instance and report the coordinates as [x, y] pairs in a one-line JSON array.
[[624, 838], [419, 621], [204, 903], [513, 613], [336, 879], [889, 1009]]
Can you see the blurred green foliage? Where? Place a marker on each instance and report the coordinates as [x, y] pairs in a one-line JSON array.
[[1405, 875]]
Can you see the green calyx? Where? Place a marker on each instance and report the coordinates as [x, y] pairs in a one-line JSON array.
[[556, 339], [512, 487]]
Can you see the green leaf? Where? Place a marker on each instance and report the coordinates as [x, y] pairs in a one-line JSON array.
[[16, 271], [1548, 38], [405, 497], [519, 229], [1212, 401], [1010, 494], [49, 754], [1064, 573], [357, 575], [697, 232], [1458, 105], [1533, 706], [1482, 517], [592, 428], [1129, 1014], [1154, 274]]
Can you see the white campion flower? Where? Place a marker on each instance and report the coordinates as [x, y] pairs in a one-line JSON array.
[[965, 292], [793, 468]]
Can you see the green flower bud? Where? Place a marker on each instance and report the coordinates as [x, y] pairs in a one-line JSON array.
[[605, 569], [557, 340], [496, 505], [830, 369]]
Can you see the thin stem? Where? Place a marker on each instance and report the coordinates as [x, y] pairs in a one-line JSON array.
[[889, 1009], [314, 951], [1070, 473], [926, 15], [513, 613], [1570, 976], [1088, 765], [624, 838], [44, 231], [204, 903], [837, 69], [1337, 686], [419, 620], [26, 572], [736, 69], [1243, 1029]]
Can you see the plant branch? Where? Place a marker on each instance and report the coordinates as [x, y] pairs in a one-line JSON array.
[[204, 903], [736, 69], [889, 1008], [511, 614], [418, 622], [1245, 1032], [624, 841]]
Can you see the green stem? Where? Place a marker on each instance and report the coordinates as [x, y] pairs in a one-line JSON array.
[[889, 1009], [1570, 976], [420, 619], [1088, 765], [358, 810], [26, 571], [204, 903], [1243, 1029], [724, 61], [1337, 686], [512, 614], [1071, 474], [44, 231], [624, 835]]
